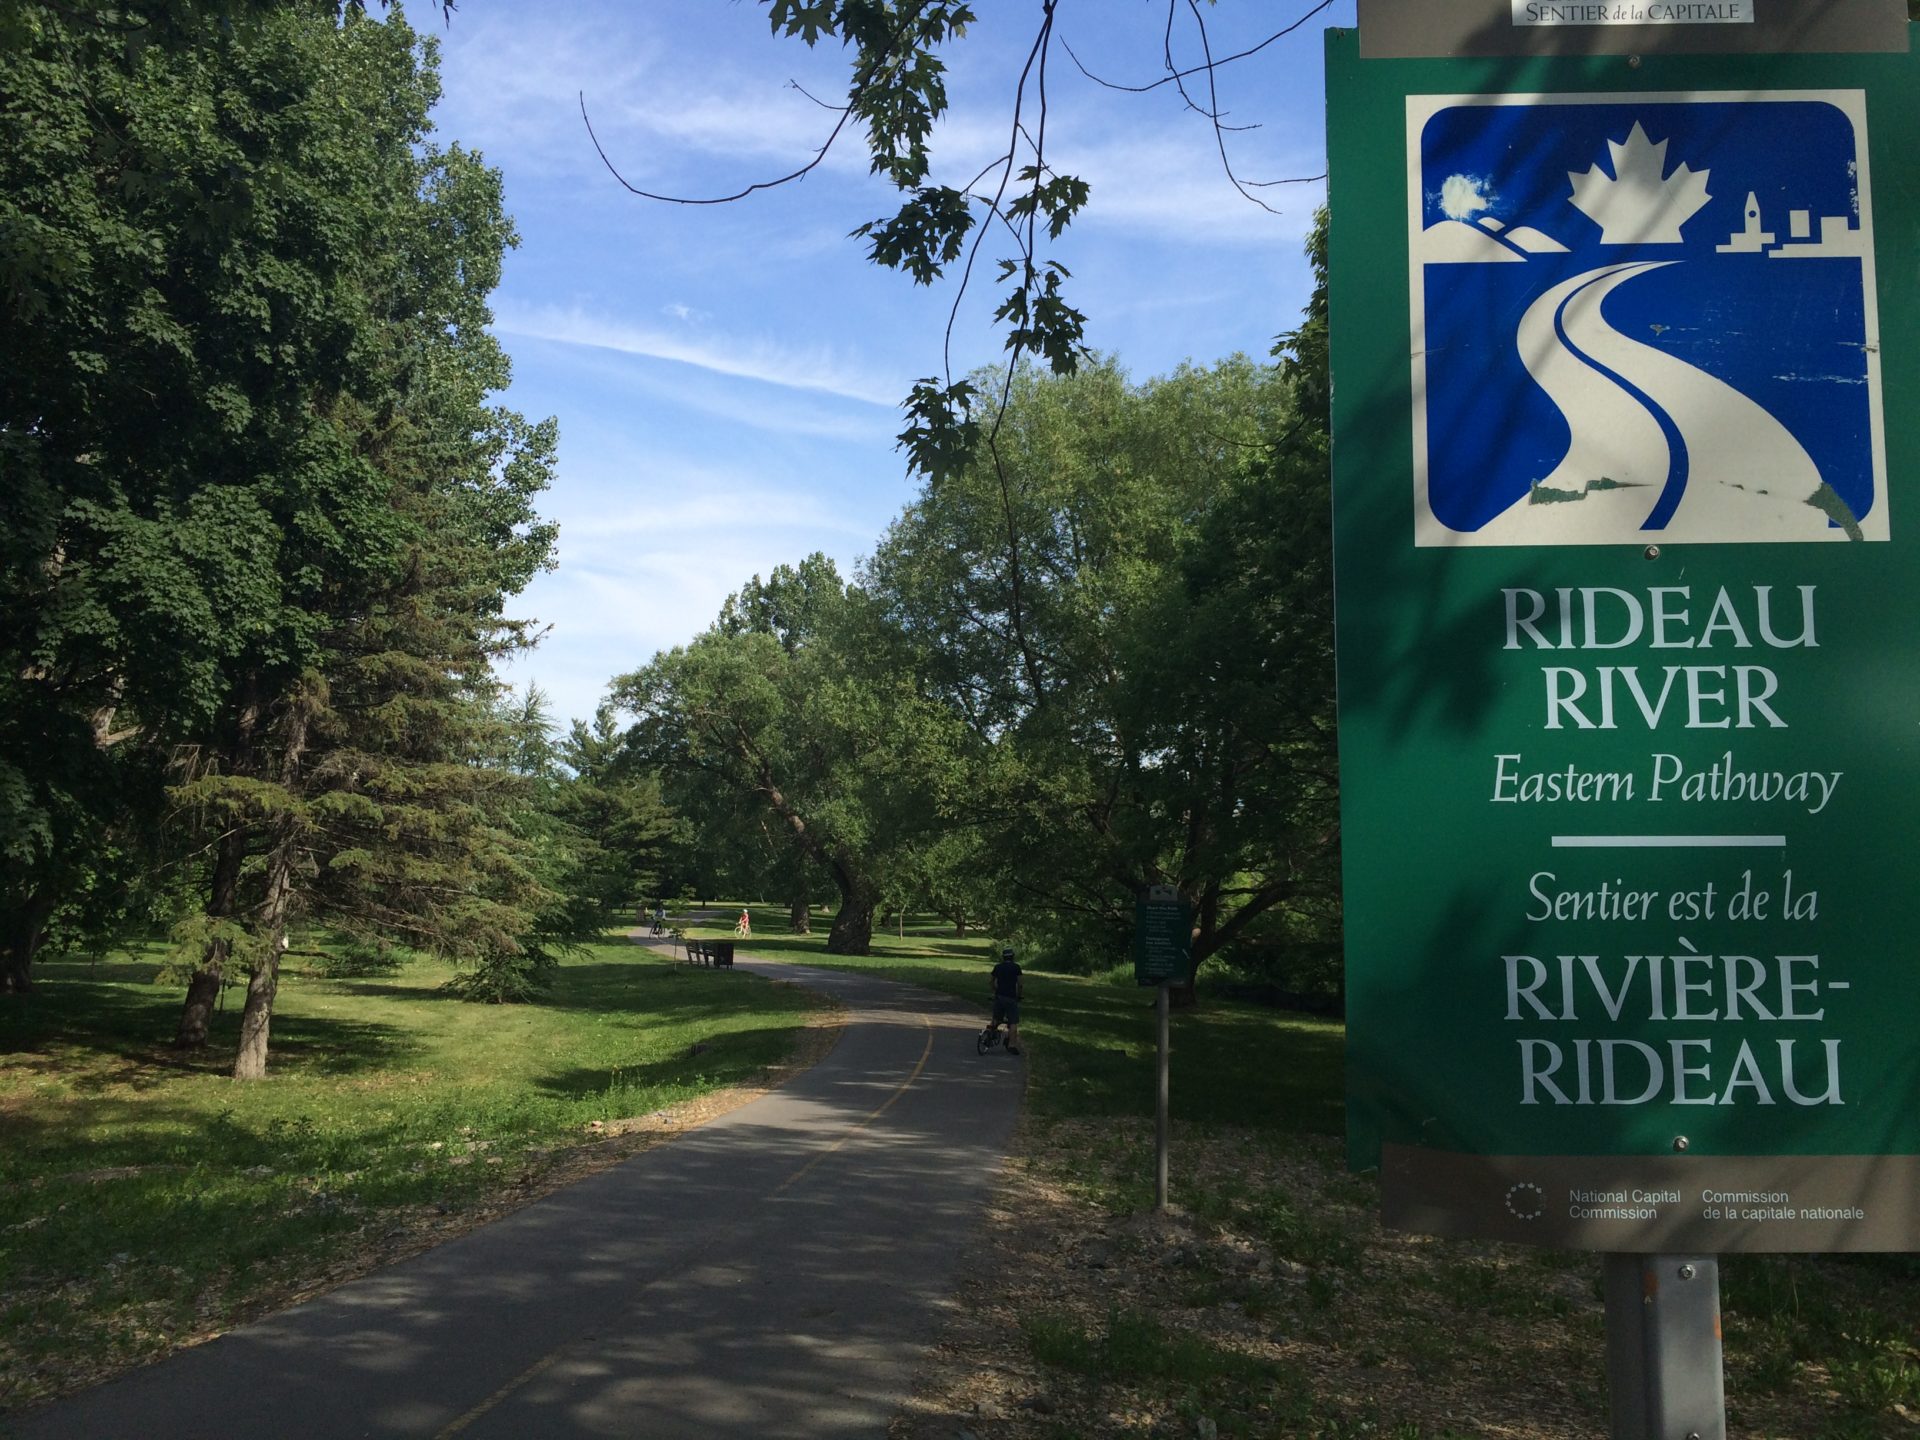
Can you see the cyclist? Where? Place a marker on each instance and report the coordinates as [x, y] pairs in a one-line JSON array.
[[1008, 984]]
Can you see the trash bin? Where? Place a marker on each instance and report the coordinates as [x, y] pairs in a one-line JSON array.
[[721, 950]]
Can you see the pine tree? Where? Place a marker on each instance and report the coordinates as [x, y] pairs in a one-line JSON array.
[[258, 518]]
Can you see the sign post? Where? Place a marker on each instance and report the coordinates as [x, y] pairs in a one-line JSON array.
[[1162, 954], [1664, 1373], [1628, 679]]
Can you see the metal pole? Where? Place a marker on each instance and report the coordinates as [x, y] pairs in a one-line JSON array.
[[1160, 1126], [1664, 1375]]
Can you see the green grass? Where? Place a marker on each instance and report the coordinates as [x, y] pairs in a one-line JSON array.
[[1137, 1346], [1091, 1039], [144, 1195]]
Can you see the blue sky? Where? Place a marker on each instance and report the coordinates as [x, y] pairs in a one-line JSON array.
[[727, 378]]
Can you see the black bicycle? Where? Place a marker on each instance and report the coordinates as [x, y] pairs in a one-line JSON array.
[[989, 1038]]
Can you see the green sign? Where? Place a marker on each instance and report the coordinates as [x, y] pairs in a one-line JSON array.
[[1629, 662], [1162, 936]]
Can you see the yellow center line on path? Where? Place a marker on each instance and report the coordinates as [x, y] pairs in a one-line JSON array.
[[888, 1104], [502, 1393], [533, 1370]]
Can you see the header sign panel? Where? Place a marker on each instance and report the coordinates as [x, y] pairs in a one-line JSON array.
[[1628, 675], [1633, 12], [1408, 29]]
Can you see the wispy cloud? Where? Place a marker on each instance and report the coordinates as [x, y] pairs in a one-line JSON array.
[[696, 524], [631, 585], [751, 406], [815, 368], [1175, 187], [707, 128], [657, 105]]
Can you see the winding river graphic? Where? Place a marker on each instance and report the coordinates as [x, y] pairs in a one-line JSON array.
[[1645, 320]]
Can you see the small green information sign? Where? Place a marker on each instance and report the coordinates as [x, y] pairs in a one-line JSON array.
[[1162, 936], [1628, 563]]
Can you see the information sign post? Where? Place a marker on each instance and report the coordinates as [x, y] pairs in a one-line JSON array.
[[1162, 954], [1628, 675]]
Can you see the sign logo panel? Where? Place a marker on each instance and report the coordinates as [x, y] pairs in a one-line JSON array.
[[1642, 319]]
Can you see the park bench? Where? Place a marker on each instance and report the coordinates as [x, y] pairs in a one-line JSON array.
[[709, 952]]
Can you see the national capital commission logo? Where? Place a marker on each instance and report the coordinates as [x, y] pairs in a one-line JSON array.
[[1644, 318]]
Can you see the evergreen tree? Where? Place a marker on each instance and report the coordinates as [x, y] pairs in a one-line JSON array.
[[259, 518], [617, 811]]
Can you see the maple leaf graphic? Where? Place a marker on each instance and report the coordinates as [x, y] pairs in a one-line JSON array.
[[1639, 204]]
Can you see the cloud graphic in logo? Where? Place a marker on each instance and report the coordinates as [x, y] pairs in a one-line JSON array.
[[1463, 196]]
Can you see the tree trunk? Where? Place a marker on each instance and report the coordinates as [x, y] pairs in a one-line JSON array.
[[257, 1019], [27, 927], [203, 990], [852, 932], [16, 967], [960, 926], [800, 914]]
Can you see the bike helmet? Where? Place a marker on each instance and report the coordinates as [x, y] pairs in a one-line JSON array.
[[1006, 952]]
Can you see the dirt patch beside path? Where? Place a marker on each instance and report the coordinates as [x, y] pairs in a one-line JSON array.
[[1278, 1307]]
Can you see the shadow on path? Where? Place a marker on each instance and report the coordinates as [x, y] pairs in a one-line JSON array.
[[775, 1273]]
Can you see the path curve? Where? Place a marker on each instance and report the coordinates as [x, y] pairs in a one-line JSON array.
[[1746, 473], [1614, 435], [776, 1273], [1655, 445]]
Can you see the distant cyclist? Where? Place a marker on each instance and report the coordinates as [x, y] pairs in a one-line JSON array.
[[1008, 985]]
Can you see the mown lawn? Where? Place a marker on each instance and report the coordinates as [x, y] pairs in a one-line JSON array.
[[146, 1197]]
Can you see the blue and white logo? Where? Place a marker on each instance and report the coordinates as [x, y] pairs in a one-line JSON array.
[[1644, 318]]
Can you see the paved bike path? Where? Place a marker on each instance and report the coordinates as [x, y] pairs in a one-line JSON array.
[[775, 1273]]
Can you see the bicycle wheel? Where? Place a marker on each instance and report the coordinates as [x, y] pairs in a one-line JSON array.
[[985, 1040]]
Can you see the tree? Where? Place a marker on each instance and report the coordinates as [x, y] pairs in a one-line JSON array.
[[1155, 707], [623, 823], [82, 854], [951, 873], [782, 705], [264, 518], [371, 801]]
